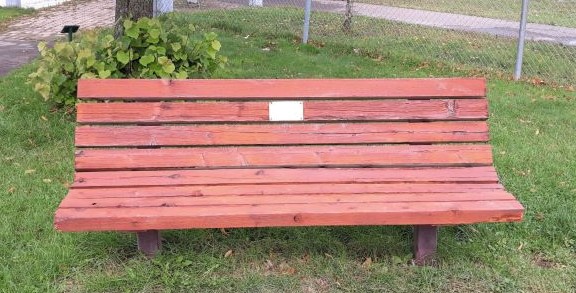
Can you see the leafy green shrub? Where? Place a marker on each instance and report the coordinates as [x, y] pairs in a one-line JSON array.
[[149, 48]]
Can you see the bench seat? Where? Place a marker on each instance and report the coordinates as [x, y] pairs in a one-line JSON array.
[[161, 155], [140, 200]]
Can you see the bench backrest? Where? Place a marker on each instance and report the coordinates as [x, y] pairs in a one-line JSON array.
[[155, 124]]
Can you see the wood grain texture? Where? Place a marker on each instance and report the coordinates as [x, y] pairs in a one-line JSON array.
[[274, 215], [156, 89], [280, 190], [284, 176], [387, 110], [281, 134], [184, 201], [294, 156]]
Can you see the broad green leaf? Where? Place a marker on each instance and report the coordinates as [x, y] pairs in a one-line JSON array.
[[104, 73], [90, 61], [210, 36], [216, 45], [169, 68], [132, 32], [163, 60], [182, 75], [211, 52], [176, 47], [128, 24], [123, 57], [154, 33], [59, 47], [88, 75], [146, 59], [85, 53]]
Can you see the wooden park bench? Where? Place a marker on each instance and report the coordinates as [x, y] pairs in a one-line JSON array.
[[158, 154]]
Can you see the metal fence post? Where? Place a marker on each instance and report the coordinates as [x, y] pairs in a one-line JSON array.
[[521, 39], [306, 29]]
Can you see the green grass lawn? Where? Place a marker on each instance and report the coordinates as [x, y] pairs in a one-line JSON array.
[[7, 13], [532, 130], [554, 12]]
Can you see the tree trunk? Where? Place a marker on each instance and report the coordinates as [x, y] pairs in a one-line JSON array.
[[347, 25], [134, 9]]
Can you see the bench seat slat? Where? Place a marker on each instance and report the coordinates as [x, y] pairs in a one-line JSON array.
[[392, 110], [281, 134], [274, 190], [141, 89], [183, 201], [294, 156], [273, 215], [287, 176]]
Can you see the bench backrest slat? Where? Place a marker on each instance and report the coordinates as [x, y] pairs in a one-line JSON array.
[[292, 156], [159, 124], [281, 134], [391, 110], [272, 89]]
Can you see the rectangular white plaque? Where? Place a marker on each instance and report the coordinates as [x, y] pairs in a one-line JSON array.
[[286, 111]]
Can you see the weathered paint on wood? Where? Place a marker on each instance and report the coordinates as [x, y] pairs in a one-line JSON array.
[[291, 156], [284, 176], [235, 200], [281, 190], [173, 112], [281, 134], [277, 215], [156, 89]]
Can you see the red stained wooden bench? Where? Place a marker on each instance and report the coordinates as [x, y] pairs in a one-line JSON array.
[[204, 154]]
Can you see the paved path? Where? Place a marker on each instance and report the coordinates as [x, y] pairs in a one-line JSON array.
[[505, 28], [19, 40]]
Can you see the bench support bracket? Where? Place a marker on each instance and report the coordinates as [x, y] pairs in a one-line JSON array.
[[149, 242], [425, 243]]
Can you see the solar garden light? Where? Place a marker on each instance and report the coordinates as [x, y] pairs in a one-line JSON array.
[[70, 30]]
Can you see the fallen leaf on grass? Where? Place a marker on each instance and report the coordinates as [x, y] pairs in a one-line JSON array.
[[537, 132], [228, 253], [286, 269], [224, 232], [367, 263], [29, 171], [11, 189], [44, 118], [269, 264], [47, 180]]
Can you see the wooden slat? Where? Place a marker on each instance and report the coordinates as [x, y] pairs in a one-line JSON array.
[[164, 112], [274, 190], [183, 201], [284, 176], [282, 134], [272, 215], [155, 89], [295, 156], [390, 110]]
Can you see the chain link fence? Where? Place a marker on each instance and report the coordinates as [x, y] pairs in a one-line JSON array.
[[480, 35]]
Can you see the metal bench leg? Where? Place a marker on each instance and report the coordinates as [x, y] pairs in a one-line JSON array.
[[425, 243], [149, 242]]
